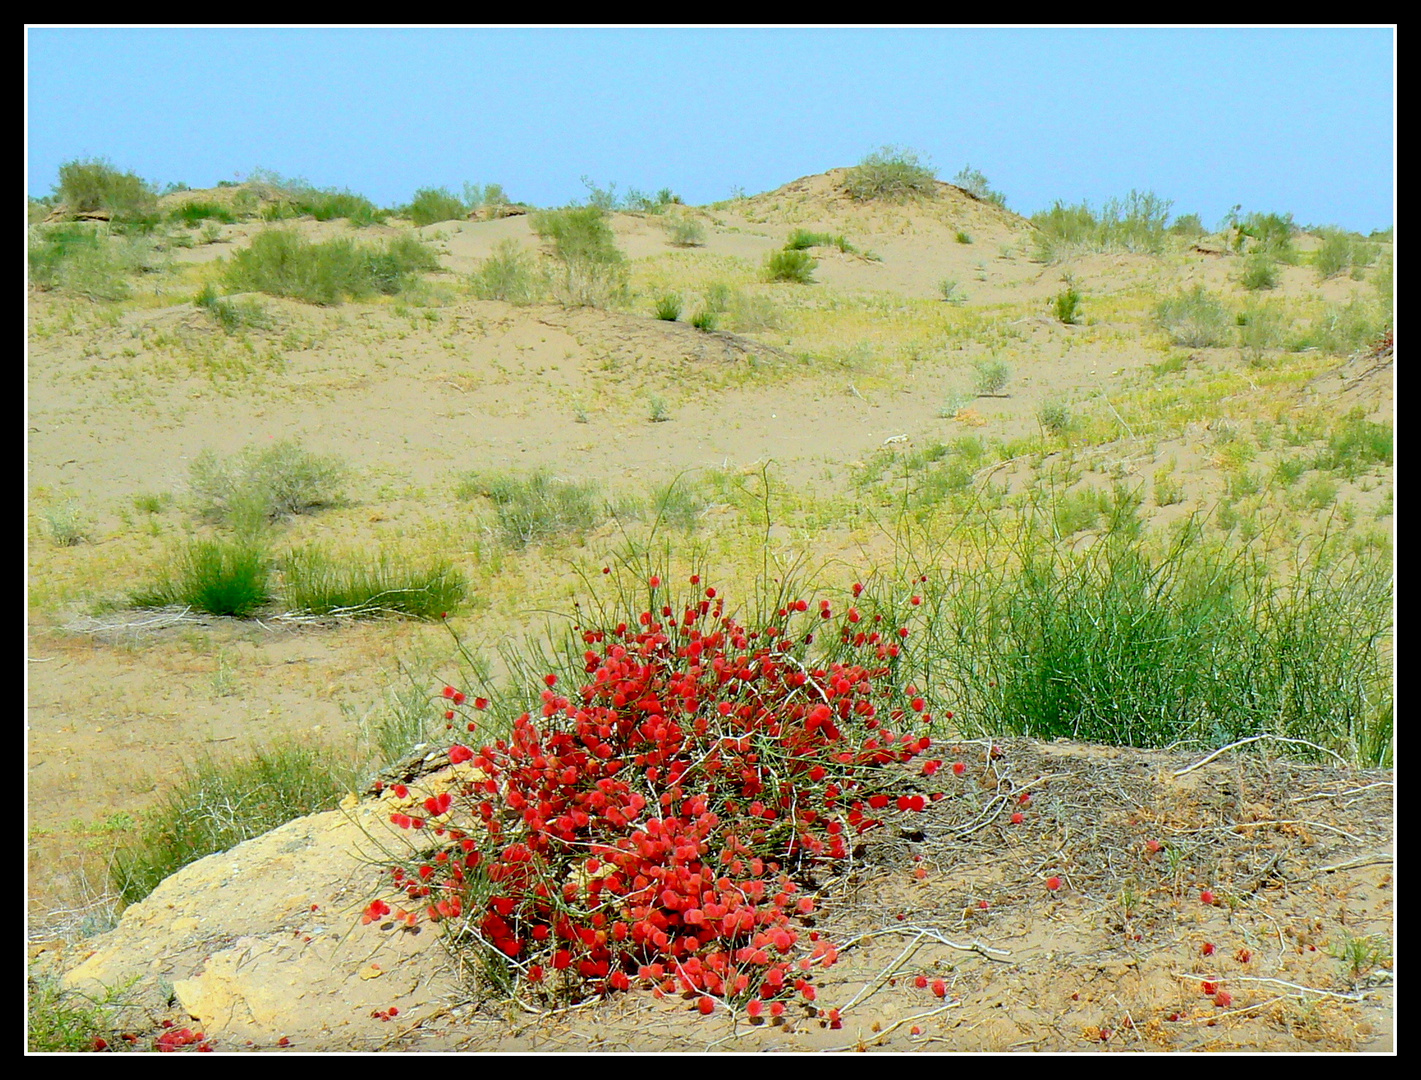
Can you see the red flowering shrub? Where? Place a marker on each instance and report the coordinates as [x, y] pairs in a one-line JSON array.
[[650, 825]]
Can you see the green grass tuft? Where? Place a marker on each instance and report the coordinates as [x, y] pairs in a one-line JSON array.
[[792, 266], [891, 174], [318, 583], [219, 577]]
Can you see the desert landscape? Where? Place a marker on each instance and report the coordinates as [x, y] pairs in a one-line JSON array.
[[319, 492]]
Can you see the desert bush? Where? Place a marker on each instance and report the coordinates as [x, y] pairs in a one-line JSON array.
[[1055, 417], [79, 260], [963, 237], [642, 202], [96, 185], [1345, 328], [69, 1022], [1260, 329], [219, 804], [538, 507], [67, 524], [433, 205], [219, 577], [325, 204], [1197, 642], [510, 274], [972, 181], [592, 271], [1189, 226], [668, 307], [705, 319], [950, 292], [684, 231], [232, 315], [891, 174], [1269, 232], [577, 234], [992, 377], [1194, 319], [1342, 252], [678, 504], [1355, 446], [720, 744], [749, 312], [803, 239], [281, 263], [1067, 305], [262, 484], [1260, 271], [319, 583], [788, 265], [484, 195], [192, 214], [1135, 223]]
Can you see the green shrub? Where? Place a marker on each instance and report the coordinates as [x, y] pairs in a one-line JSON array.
[[538, 507], [704, 319], [1135, 223], [232, 315], [216, 576], [1355, 446], [328, 205], [510, 274], [281, 263], [684, 232], [802, 239], [68, 1022], [1189, 226], [668, 307], [1342, 252], [641, 202], [792, 266], [78, 260], [592, 271], [1260, 329], [218, 805], [964, 237], [1260, 271], [950, 292], [317, 583], [96, 185], [195, 213], [974, 183], [67, 524], [262, 484], [432, 205], [992, 377], [1067, 305], [485, 195], [1116, 645], [750, 312], [1055, 417], [657, 410], [1345, 328], [678, 504], [1195, 319], [578, 234], [1272, 233], [891, 174]]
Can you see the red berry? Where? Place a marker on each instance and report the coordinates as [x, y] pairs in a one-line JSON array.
[[1206, 897], [1018, 818], [1208, 949], [706, 1005], [1053, 883], [958, 768]]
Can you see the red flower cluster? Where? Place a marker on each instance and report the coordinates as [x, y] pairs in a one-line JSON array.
[[644, 826]]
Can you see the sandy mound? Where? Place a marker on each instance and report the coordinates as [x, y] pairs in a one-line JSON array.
[[264, 942]]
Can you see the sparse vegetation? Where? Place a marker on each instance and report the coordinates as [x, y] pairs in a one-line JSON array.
[[591, 270], [1342, 252], [972, 181], [538, 507], [950, 292], [1195, 319], [232, 315], [684, 231], [891, 174], [1135, 223], [219, 804], [1260, 271], [433, 205], [510, 274], [705, 319], [262, 484]]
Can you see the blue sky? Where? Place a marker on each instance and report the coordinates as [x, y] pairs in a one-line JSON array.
[[1288, 120]]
